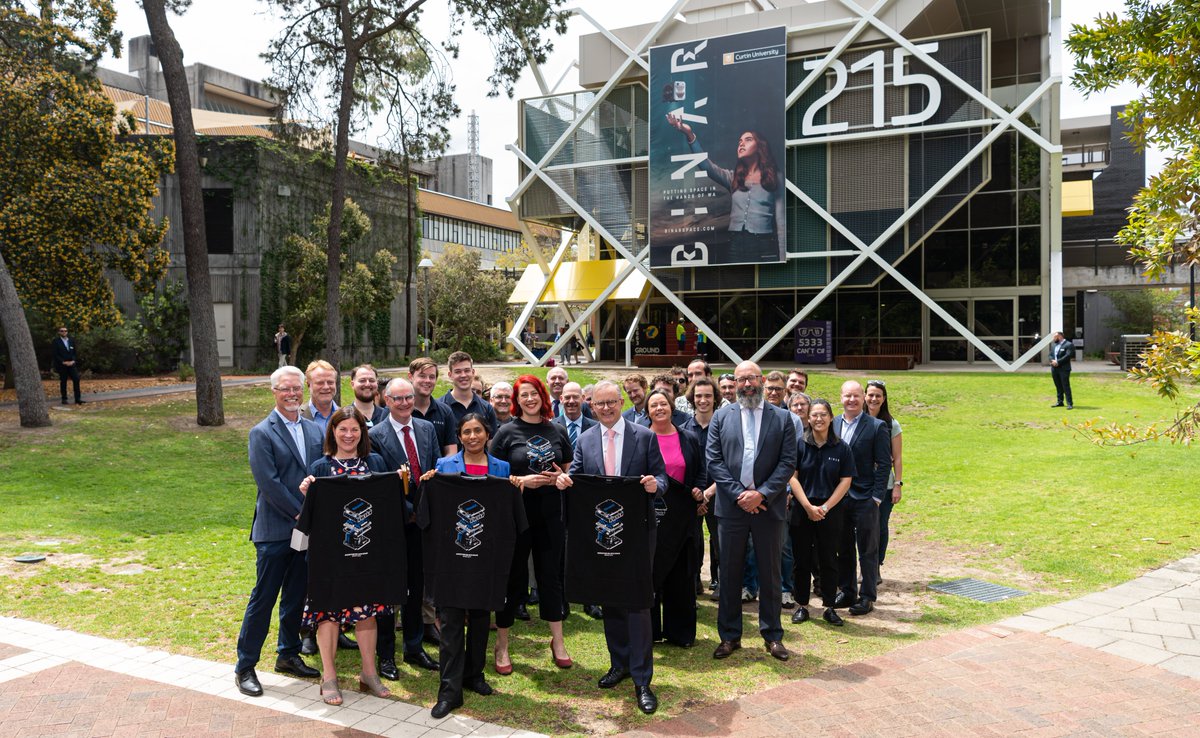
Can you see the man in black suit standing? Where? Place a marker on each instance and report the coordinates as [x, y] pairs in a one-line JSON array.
[[751, 454], [615, 447], [403, 439], [66, 363], [871, 444], [1061, 352]]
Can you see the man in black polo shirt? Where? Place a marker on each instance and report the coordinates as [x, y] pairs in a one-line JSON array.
[[422, 373], [461, 399]]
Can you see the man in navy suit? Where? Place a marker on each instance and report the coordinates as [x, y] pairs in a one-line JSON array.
[[751, 454], [572, 417], [66, 363], [871, 444], [614, 447], [398, 439], [1061, 352], [281, 448]]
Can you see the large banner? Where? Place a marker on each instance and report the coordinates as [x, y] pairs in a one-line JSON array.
[[716, 177]]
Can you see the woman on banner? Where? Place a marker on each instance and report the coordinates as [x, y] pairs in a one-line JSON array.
[[673, 617], [756, 188], [538, 451], [347, 453], [462, 659]]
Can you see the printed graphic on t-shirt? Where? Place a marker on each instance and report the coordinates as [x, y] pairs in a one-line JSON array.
[[357, 524], [540, 454], [469, 526], [610, 518]]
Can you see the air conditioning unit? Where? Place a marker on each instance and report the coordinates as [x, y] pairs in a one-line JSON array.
[[1132, 347]]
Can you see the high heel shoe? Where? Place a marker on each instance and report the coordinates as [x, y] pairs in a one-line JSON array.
[[504, 670], [330, 694], [566, 663], [370, 683]]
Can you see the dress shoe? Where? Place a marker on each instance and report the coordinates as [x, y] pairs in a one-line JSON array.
[[433, 634], [346, 643], [64, 401], [862, 607], [566, 663], [533, 598], [522, 613], [308, 645], [594, 611], [646, 701], [830, 616], [842, 600], [715, 594], [421, 659], [801, 615], [725, 648], [1057, 404], [387, 669], [247, 683], [777, 649], [1069, 407], [615, 676], [479, 685], [84, 402], [295, 666], [444, 707]]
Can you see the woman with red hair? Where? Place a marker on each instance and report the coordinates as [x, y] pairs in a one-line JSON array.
[[537, 451]]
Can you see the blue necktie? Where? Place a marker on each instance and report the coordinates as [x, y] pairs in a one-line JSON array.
[[573, 434]]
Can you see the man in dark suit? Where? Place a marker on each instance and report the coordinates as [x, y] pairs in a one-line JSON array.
[[66, 363], [398, 440], [751, 454], [614, 447], [871, 444], [281, 448], [1061, 352]]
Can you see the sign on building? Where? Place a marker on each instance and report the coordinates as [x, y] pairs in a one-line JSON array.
[[716, 171]]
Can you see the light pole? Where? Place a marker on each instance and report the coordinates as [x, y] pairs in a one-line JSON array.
[[424, 265]]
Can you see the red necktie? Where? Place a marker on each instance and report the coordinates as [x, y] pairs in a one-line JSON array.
[[414, 461]]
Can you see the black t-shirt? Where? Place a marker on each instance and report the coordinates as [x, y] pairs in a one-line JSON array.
[[608, 542], [470, 526], [531, 448], [676, 513], [356, 548], [442, 418]]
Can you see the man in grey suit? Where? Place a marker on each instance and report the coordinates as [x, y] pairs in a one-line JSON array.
[[617, 447], [751, 454], [281, 448], [405, 440], [871, 443]]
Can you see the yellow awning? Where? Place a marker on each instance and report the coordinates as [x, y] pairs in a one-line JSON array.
[[581, 281], [1077, 198]]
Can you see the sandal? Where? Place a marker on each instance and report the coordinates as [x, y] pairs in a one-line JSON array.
[[330, 694], [370, 683]]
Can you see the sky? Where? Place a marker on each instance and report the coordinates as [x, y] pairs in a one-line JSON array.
[[231, 34]]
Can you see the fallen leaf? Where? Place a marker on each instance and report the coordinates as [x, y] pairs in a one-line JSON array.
[[843, 640]]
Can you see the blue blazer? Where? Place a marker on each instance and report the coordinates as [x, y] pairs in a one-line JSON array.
[[386, 444], [872, 447], [640, 454], [773, 465], [454, 465], [278, 470]]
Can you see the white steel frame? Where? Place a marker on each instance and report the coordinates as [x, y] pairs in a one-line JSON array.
[[861, 20]]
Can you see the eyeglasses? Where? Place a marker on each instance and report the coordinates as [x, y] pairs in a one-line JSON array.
[[770, 388], [288, 390], [748, 378], [605, 403], [725, 377], [401, 398]]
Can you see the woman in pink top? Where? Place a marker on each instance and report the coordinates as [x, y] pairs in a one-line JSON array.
[[675, 562]]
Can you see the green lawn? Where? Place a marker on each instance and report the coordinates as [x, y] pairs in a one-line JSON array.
[[146, 519]]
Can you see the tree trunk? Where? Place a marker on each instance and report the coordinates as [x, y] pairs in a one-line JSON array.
[[210, 408], [410, 239], [31, 399]]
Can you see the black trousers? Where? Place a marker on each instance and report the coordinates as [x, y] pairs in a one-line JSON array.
[[673, 617], [860, 529], [461, 659], [1060, 374], [410, 611], [547, 539], [63, 373], [815, 548]]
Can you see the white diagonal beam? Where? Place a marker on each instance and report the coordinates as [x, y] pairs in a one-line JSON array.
[[514, 336]]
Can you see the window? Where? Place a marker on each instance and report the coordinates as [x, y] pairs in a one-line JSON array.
[[218, 220]]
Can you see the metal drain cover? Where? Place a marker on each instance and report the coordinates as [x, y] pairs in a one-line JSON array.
[[977, 590]]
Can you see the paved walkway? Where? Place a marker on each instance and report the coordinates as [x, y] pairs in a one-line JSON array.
[[134, 392]]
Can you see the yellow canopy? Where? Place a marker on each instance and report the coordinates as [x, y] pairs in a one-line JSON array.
[[579, 281], [1077, 198]]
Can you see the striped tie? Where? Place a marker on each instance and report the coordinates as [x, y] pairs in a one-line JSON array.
[[573, 434]]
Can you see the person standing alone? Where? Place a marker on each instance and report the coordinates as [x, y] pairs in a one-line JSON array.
[[66, 363], [1061, 351]]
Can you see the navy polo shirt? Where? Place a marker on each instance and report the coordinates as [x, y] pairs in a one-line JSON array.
[[444, 425], [477, 405], [821, 468]]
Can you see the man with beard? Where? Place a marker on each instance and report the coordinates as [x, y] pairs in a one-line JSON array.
[[281, 447], [364, 382], [751, 454], [635, 387], [728, 389]]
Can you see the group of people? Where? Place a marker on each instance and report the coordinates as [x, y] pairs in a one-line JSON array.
[[765, 466]]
